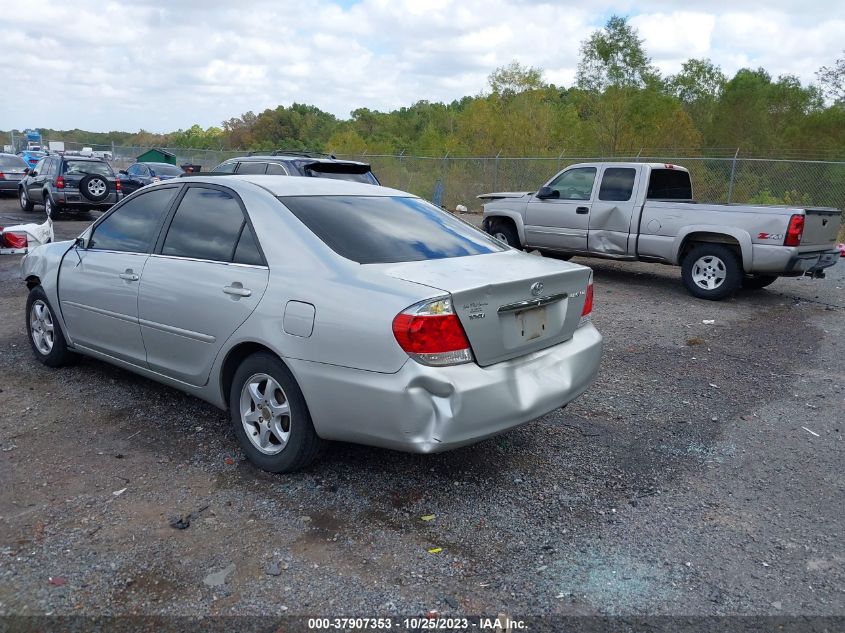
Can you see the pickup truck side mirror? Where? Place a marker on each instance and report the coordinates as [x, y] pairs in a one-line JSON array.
[[547, 192], [123, 172]]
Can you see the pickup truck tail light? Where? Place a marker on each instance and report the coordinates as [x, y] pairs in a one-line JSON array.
[[13, 240], [431, 334], [588, 304], [60, 182], [795, 231]]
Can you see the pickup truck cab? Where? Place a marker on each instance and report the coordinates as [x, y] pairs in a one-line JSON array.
[[646, 212]]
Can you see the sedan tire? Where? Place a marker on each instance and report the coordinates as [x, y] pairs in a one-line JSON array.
[[270, 417], [45, 334]]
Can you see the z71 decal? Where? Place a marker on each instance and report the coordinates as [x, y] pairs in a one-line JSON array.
[[777, 237]]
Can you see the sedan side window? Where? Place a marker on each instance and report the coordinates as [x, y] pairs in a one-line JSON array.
[[247, 251], [575, 184], [252, 167], [132, 227], [206, 225]]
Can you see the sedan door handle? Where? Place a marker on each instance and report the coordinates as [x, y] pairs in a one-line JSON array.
[[582, 210], [129, 275], [237, 290]]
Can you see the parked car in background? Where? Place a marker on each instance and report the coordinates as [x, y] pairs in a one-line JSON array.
[[646, 212], [142, 174], [69, 183], [12, 169], [285, 163], [378, 319], [31, 157]]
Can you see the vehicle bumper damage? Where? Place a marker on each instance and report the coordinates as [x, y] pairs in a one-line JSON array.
[[18, 239], [431, 409]]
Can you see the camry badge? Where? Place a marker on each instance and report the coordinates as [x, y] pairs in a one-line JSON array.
[[537, 288]]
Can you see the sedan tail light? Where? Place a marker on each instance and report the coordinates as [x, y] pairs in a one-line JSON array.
[[430, 333], [117, 186], [2, 176], [13, 240], [60, 182], [588, 304], [795, 231]]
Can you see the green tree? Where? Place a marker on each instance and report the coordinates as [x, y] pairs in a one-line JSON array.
[[832, 80], [614, 56], [514, 78]]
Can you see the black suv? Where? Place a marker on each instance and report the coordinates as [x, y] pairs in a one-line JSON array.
[[293, 163], [69, 183]]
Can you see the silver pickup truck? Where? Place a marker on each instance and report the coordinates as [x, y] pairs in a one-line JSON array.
[[646, 212]]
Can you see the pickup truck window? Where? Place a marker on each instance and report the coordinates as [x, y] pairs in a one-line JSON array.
[[617, 184], [575, 184], [669, 184]]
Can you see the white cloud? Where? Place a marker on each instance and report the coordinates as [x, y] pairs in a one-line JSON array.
[[162, 65]]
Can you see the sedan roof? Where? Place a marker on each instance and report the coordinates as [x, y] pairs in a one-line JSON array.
[[301, 186]]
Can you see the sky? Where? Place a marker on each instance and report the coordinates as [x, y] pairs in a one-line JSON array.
[[163, 65]]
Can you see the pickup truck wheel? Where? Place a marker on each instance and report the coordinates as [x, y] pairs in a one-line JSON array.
[[711, 271], [270, 417], [45, 334], [26, 204], [505, 232], [756, 282]]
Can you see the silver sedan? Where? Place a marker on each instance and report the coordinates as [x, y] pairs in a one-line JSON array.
[[316, 310]]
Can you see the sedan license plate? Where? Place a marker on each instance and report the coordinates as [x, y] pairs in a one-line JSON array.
[[531, 323]]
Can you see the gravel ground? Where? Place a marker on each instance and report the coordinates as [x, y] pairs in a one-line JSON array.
[[701, 475]]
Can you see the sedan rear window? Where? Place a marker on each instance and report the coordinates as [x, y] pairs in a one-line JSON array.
[[12, 163], [379, 230]]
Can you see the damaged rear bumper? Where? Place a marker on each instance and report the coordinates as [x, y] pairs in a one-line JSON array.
[[430, 409]]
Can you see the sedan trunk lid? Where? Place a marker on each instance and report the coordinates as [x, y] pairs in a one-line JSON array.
[[509, 305]]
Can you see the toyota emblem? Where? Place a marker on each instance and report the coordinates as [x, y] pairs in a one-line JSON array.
[[537, 288]]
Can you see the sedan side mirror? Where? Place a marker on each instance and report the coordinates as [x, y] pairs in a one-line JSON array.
[[547, 192], [33, 173]]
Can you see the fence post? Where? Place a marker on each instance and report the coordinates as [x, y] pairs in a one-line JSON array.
[[496, 172], [733, 174], [638, 154], [560, 157]]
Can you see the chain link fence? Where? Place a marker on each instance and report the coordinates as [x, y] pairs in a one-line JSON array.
[[724, 180], [452, 180]]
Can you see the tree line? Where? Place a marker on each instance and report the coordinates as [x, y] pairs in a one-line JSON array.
[[619, 104]]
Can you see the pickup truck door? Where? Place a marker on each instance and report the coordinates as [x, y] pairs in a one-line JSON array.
[[561, 222], [612, 212]]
